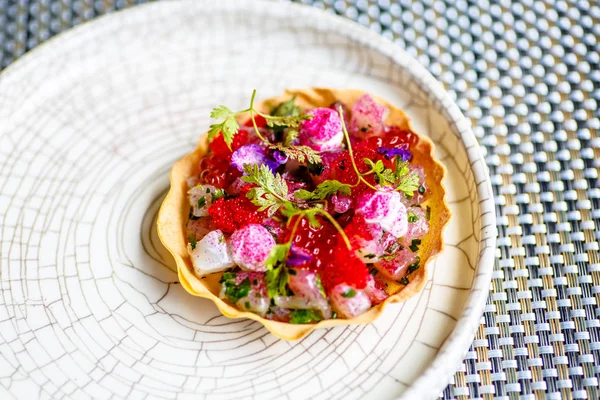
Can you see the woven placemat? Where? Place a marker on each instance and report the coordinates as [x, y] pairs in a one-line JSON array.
[[527, 74]]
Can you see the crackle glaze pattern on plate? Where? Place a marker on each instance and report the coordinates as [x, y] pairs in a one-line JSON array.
[[90, 124]]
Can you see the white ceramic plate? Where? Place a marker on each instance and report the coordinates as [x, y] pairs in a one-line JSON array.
[[90, 124]]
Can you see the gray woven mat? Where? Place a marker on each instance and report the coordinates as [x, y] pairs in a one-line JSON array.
[[527, 74]]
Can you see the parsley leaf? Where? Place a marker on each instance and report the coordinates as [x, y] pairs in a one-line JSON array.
[[323, 190], [349, 294], [305, 316], [272, 190], [403, 281]]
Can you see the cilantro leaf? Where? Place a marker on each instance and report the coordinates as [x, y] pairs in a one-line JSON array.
[[385, 176], [408, 184], [350, 293], [220, 112], [305, 316], [272, 191], [228, 127]]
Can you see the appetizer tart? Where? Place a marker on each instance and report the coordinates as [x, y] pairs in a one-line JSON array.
[[312, 209]]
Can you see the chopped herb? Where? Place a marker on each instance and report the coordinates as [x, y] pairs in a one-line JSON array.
[[422, 189], [412, 217], [320, 286], [414, 246], [404, 281], [428, 213], [235, 292], [389, 257], [333, 315], [201, 202], [292, 272], [217, 194], [247, 304], [221, 239], [207, 190], [277, 255], [277, 280], [192, 240], [393, 248], [370, 256], [373, 271], [414, 266], [349, 294], [255, 282], [305, 316]]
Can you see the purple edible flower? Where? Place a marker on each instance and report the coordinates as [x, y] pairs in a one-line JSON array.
[[252, 154], [389, 152], [298, 256], [280, 157]]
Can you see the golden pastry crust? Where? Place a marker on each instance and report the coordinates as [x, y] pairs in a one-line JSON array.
[[173, 215]]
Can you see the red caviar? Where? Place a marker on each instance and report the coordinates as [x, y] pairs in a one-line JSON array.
[[234, 213], [345, 267]]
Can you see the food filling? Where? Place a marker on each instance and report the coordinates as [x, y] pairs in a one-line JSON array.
[[300, 209]]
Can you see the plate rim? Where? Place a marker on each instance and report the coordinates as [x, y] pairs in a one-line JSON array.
[[438, 374]]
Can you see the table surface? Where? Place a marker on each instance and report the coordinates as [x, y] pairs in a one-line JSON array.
[[527, 74]]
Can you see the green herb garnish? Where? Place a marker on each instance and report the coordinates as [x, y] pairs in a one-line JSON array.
[[415, 265], [235, 292], [305, 316], [403, 281], [414, 245], [323, 190], [412, 217], [350, 293], [272, 190], [320, 286]]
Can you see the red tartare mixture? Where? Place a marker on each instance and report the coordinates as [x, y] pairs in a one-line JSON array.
[[299, 209]]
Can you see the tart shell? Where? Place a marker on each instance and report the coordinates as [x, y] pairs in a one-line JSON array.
[[174, 211]]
